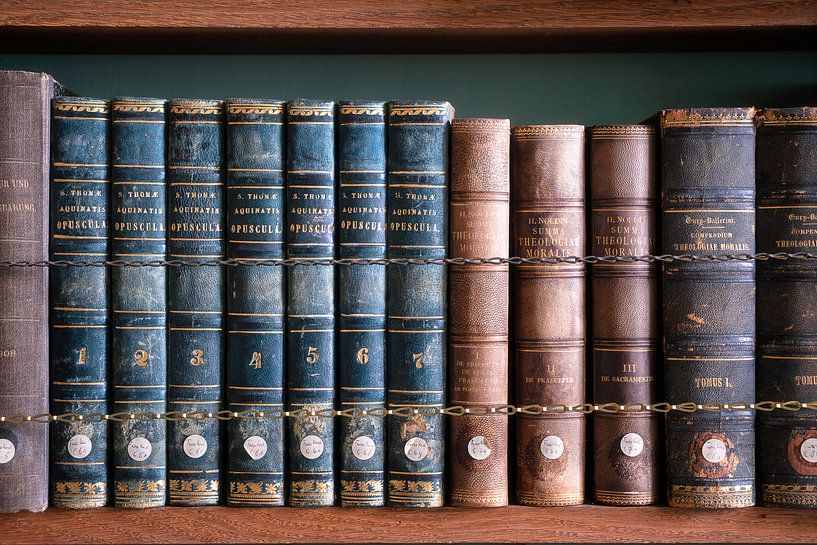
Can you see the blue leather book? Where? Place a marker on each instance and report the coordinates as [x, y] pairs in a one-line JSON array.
[[80, 190], [417, 197], [138, 337], [195, 297], [362, 299], [311, 300], [255, 299]]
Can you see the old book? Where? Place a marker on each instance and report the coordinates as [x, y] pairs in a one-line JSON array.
[[195, 297], [361, 233], [549, 221], [625, 306], [80, 193], [255, 299], [25, 116], [417, 199], [786, 322], [708, 199], [138, 336], [478, 295], [310, 183]]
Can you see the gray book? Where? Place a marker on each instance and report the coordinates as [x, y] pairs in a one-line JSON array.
[[25, 99]]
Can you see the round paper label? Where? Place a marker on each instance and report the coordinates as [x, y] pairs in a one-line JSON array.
[[311, 447], [195, 446], [79, 446], [416, 449], [478, 448], [363, 447], [552, 447], [256, 447], [7, 451], [714, 450], [808, 449], [139, 449], [632, 445]]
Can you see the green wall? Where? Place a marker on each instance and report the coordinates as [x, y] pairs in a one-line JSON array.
[[537, 88]]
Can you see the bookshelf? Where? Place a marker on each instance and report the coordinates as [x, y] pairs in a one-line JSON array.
[[585, 62]]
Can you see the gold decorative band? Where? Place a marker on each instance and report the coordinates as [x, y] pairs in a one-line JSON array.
[[99, 107], [533, 131], [270, 109], [790, 495], [711, 497], [412, 110], [362, 110]]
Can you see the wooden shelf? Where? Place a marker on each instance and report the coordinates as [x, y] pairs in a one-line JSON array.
[[417, 26], [585, 523]]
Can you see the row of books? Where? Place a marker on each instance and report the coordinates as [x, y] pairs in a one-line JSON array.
[[196, 181]]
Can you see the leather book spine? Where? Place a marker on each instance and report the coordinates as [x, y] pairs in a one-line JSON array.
[[138, 306], [786, 321], [549, 303], [478, 299], [362, 299], [417, 211], [195, 297], [255, 299], [311, 300], [626, 324], [80, 192], [708, 200], [25, 117]]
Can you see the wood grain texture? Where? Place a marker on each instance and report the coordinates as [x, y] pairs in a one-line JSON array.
[[416, 25], [585, 523]]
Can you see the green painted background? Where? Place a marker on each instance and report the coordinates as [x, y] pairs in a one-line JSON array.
[[537, 88]]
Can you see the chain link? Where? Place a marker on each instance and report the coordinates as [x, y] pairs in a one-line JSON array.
[[572, 260], [454, 410]]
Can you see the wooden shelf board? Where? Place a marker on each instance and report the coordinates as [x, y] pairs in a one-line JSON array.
[[586, 523], [376, 26]]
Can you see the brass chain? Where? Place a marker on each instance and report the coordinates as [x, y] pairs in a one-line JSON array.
[[382, 412]]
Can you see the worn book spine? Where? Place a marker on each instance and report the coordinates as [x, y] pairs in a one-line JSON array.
[[138, 337], [708, 199], [80, 193], [195, 297], [417, 203], [255, 299], [25, 116], [549, 221], [478, 295], [786, 299], [362, 299], [310, 182], [626, 323]]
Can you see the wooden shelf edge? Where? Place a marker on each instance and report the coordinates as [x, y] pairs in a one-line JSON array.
[[515, 524]]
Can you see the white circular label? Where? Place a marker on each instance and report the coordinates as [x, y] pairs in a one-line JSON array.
[[632, 445], [139, 449], [416, 449], [478, 448], [552, 447], [195, 446], [311, 447], [714, 450], [256, 447], [7, 451], [363, 447], [79, 446], [809, 450]]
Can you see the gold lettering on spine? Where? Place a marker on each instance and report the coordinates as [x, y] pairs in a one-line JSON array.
[[198, 357], [141, 358]]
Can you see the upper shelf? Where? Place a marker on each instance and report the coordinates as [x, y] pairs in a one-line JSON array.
[[390, 26]]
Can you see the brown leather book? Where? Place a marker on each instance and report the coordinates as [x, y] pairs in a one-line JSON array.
[[478, 296], [625, 313], [548, 176]]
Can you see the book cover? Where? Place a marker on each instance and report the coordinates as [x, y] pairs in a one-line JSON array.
[[417, 213], [80, 221], [195, 297], [361, 234], [310, 182], [138, 306], [708, 203], [479, 306], [255, 299]]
